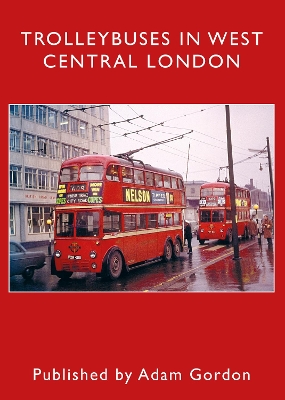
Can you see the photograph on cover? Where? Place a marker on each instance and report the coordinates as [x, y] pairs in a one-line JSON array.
[[141, 198]]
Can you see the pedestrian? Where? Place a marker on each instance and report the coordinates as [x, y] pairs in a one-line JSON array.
[[267, 229], [188, 236], [252, 228], [259, 230]]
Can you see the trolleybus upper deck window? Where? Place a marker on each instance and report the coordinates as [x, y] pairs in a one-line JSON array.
[[69, 174], [91, 173], [112, 173]]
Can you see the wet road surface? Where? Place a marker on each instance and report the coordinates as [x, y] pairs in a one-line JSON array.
[[210, 268]]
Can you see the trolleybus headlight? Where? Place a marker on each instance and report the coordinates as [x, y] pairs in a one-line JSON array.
[[93, 254], [57, 253], [93, 265]]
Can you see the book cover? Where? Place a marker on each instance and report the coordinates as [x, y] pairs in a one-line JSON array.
[[142, 344]]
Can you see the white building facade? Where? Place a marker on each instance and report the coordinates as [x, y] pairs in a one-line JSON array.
[[41, 138]]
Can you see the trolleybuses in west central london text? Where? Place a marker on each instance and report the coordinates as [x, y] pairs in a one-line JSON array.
[[114, 214]]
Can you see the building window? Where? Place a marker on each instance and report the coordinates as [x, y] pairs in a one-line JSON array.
[[64, 121], [29, 143], [28, 112], [41, 115], [101, 112], [31, 178], [65, 152], [53, 149], [85, 152], [42, 147], [15, 176], [43, 179], [37, 217], [102, 136], [93, 111], [75, 152], [83, 129], [73, 126], [12, 220], [15, 140], [14, 110], [53, 180], [52, 118], [94, 134]]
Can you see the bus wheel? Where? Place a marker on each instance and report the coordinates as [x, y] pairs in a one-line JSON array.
[[176, 249], [246, 234], [202, 241], [63, 274], [229, 236], [114, 266], [167, 253]]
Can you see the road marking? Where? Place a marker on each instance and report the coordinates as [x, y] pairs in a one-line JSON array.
[[168, 282]]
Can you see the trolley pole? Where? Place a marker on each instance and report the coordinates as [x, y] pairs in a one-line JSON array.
[[232, 185]]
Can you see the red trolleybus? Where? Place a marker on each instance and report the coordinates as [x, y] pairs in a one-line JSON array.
[[215, 219], [113, 214]]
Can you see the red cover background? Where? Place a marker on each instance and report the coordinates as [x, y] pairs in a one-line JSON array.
[[131, 331]]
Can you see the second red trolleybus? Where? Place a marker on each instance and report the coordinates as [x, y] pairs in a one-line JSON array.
[[113, 214], [215, 215]]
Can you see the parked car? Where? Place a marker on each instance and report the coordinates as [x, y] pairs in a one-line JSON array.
[[24, 262]]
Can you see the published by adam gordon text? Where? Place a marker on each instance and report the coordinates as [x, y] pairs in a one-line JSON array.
[[116, 374]]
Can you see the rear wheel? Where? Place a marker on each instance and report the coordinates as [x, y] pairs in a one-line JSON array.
[[167, 253], [176, 249], [114, 266], [28, 273], [202, 241]]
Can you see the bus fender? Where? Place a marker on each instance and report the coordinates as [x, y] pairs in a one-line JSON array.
[[109, 253], [177, 237]]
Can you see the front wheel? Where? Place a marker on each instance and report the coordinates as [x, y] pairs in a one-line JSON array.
[[28, 273], [63, 274], [202, 241], [167, 253], [114, 266]]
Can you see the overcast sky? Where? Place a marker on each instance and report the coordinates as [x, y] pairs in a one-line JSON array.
[[204, 127]]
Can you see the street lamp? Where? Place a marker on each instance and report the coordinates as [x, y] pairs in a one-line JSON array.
[[256, 207], [49, 222]]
